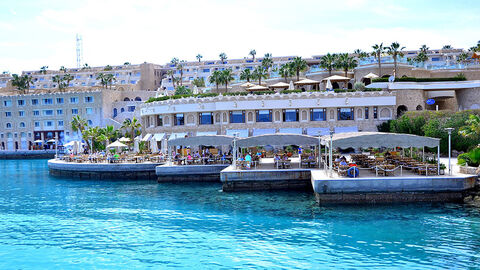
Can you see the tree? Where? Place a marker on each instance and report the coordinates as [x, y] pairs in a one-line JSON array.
[[422, 56], [447, 47], [170, 73], [378, 50], [110, 133], [285, 71], [22, 83], [298, 64], [183, 90], [108, 68], [63, 69], [199, 82], [109, 79], [260, 73], [475, 48], [174, 61], [223, 57], [180, 69], [346, 62], [131, 126], [215, 78], [360, 54], [227, 77], [27, 81], [103, 79], [44, 69], [246, 74], [329, 62], [60, 82], [199, 57], [253, 53], [472, 127], [395, 51], [126, 64], [462, 58], [267, 61], [68, 78], [85, 66], [78, 124]]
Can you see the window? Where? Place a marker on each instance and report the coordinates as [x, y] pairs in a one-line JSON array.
[[48, 123], [37, 124], [206, 70], [205, 118], [88, 110], [8, 114], [345, 113], [74, 100], [34, 102], [60, 101], [7, 103], [264, 115], [36, 113], [21, 102], [366, 112], [60, 123], [375, 112], [59, 112], [318, 115], [178, 119], [8, 125], [159, 120], [74, 111], [89, 122], [237, 117], [47, 112], [47, 101], [290, 115], [21, 113], [131, 108], [88, 99], [22, 124]]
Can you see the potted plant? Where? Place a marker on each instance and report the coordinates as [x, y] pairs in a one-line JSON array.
[[442, 169], [289, 150]]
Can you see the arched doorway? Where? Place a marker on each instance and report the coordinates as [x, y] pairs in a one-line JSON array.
[[126, 99], [115, 112], [122, 110], [138, 99], [16, 146], [401, 110], [419, 108], [335, 85], [367, 81], [349, 86]]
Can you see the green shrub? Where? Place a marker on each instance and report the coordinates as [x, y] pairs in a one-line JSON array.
[[459, 77], [372, 89], [472, 158], [359, 86], [290, 91], [236, 94]]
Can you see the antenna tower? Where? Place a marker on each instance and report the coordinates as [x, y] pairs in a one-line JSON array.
[[79, 51]]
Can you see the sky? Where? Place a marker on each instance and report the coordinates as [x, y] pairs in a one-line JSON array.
[[37, 33]]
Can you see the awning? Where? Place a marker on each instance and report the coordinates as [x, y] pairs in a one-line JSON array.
[[242, 133], [205, 133], [116, 144], [370, 76], [314, 131], [336, 78], [257, 87], [207, 140], [147, 137], [379, 139], [247, 84], [279, 85], [306, 82], [278, 139], [346, 129], [441, 94], [290, 131], [263, 131], [177, 135], [159, 136]]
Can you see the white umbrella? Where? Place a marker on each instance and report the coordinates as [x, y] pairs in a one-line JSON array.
[[136, 147], [124, 139], [75, 147], [38, 141], [116, 144], [80, 147], [329, 85], [195, 90], [153, 145], [51, 141], [69, 144], [291, 87]]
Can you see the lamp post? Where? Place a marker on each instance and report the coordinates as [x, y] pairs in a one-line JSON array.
[[449, 130], [234, 158], [331, 152], [319, 149], [56, 146]]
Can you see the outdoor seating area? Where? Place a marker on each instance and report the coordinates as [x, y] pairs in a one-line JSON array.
[[102, 157]]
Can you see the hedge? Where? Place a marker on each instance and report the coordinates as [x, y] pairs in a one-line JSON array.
[[459, 77]]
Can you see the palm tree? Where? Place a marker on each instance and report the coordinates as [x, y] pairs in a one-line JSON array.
[[462, 58], [395, 51], [360, 54], [285, 71], [223, 57], [102, 78], [108, 68], [59, 80], [472, 127], [424, 49], [171, 74], [126, 64], [260, 73], [246, 74], [267, 61], [447, 47], [378, 50], [180, 68], [109, 79], [110, 133], [182, 90], [43, 70], [253, 53], [21, 82], [62, 68], [215, 78], [85, 66], [132, 126], [227, 77], [346, 62], [298, 64], [329, 62], [27, 81], [78, 123], [68, 78], [199, 57]]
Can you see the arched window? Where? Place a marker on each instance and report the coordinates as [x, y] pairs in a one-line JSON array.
[[126, 99], [138, 99], [401, 110], [9, 125], [115, 112], [22, 124], [419, 108], [122, 110], [89, 122]]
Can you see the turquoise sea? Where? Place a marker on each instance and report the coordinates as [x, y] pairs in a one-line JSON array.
[[48, 223]]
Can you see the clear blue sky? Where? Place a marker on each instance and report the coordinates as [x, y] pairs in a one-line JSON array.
[[42, 32]]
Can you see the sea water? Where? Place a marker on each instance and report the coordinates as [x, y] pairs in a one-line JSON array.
[[48, 222]]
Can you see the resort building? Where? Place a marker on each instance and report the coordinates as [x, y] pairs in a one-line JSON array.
[[311, 113]]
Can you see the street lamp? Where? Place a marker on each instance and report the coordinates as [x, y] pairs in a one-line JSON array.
[[235, 135], [331, 151], [319, 149], [449, 130]]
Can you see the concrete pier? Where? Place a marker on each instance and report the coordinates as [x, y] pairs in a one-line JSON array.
[[189, 173], [408, 188], [27, 154], [265, 179], [122, 171]]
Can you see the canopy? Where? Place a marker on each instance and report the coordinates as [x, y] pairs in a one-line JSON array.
[[51, 141], [177, 135], [37, 141], [242, 133], [211, 140], [147, 137], [257, 87], [262, 131], [158, 136], [316, 130], [278, 139], [247, 84], [336, 78], [306, 82], [204, 133], [280, 85], [379, 139], [370, 76], [116, 144], [290, 130], [124, 139]]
